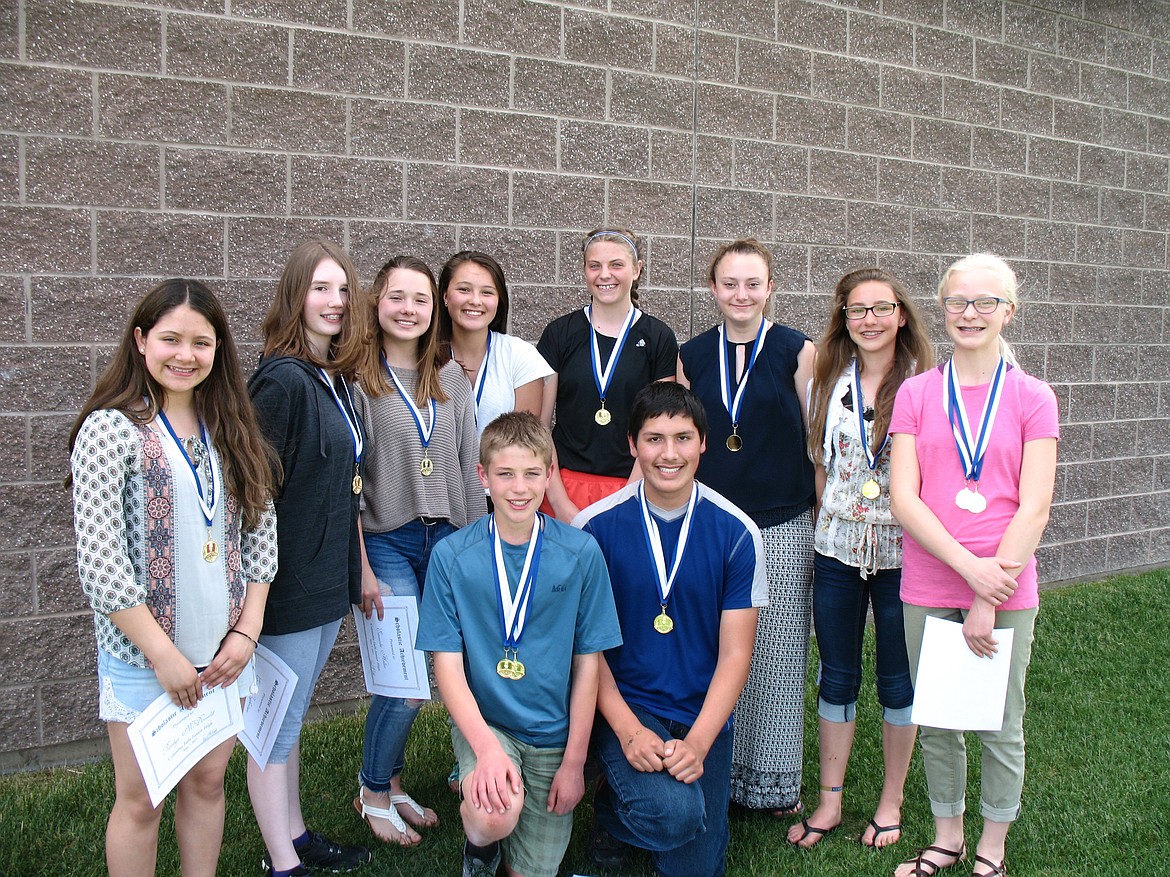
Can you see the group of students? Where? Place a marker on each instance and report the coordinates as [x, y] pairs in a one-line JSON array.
[[396, 440]]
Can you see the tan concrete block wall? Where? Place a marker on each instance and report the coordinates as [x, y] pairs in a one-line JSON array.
[[148, 139]]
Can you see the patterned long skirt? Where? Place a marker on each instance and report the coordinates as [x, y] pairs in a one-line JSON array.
[[769, 719]]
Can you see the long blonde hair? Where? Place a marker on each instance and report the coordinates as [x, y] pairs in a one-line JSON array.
[[913, 354], [1007, 280]]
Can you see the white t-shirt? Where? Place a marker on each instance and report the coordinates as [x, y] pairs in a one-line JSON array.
[[512, 362]]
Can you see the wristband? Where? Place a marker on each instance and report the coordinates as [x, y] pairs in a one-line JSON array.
[[245, 636]]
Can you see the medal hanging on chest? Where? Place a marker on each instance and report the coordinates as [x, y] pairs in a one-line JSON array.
[[731, 395], [351, 421], [424, 426], [664, 581], [514, 610], [971, 445], [208, 494], [603, 377], [871, 490]]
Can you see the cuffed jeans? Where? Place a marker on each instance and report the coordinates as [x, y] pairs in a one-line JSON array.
[[944, 752], [399, 559], [841, 598], [683, 825]]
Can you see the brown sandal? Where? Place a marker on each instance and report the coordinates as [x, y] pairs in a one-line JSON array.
[[922, 864], [999, 870]]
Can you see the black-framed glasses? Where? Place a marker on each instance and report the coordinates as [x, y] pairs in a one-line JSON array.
[[984, 305], [881, 309]]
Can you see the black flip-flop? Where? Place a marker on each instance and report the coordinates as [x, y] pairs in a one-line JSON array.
[[812, 829], [877, 830]]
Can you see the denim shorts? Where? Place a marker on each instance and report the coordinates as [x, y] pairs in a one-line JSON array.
[[124, 690]]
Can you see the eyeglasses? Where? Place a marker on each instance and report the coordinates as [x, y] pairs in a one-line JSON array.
[[881, 309], [985, 305]]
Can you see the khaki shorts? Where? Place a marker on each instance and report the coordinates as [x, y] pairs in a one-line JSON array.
[[537, 846]]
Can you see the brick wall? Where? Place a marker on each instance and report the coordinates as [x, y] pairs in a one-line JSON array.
[[206, 137]]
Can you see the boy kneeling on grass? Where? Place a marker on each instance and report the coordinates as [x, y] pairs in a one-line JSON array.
[[516, 608], [688, 578]]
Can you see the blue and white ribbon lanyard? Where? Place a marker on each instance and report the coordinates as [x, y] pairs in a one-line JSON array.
[[209, 498], [425, 430], [514, 609], [602, 377], [871, 489], [733, 404], [663, 623], [351, 422], [971, 450], [481, 376]]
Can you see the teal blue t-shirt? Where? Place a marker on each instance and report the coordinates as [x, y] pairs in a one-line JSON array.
[[571, 613]]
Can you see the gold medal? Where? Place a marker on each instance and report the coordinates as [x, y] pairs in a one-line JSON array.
[[357, 484], [663, 623], [210, 551], [734, 443], [602, 417], [426, 467], [871, 490], [510, 668]]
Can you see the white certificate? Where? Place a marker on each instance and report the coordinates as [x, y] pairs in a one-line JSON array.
[[264, 711], [392, 665], [956, 688], [168, 740]]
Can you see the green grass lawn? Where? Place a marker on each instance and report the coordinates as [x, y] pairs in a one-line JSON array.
[[1095, 800]]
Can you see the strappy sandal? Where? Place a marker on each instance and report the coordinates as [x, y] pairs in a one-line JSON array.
[[417, 808], [921, 865], [391, 815], [999, 870], [821, 834], [880, 830]]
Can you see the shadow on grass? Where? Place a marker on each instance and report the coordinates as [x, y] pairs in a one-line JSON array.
[[1095, 800]]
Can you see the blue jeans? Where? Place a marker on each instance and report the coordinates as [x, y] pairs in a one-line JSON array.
[[399, 559], [684, 826], [305, 652], [840, 599]]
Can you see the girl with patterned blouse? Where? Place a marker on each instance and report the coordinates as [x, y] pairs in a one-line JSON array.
[[176, 546], [875, 340]]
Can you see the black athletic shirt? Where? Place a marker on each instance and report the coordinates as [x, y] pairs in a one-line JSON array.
[[650, 354]]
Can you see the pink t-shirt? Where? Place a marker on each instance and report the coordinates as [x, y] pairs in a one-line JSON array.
[[1027, 411]]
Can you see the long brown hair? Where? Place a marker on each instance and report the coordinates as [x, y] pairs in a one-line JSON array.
[[284, 324], [492, 267], [431, 357], [913, 354], [221, 400]]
